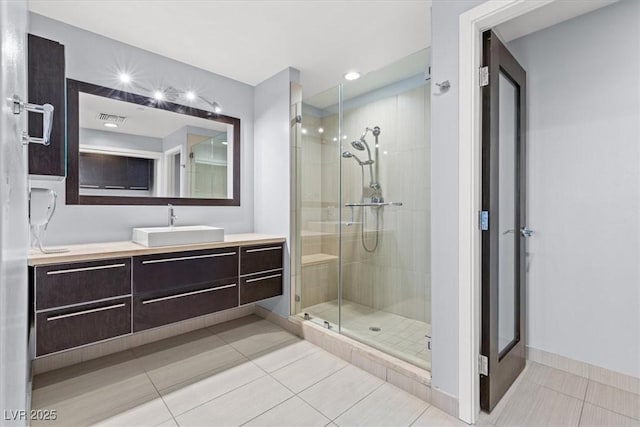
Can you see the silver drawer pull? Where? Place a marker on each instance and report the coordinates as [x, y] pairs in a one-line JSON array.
[[273, 248], [75, 270], [182, 258], [263, 278], [114, 187], [186, 294], [80, 313]]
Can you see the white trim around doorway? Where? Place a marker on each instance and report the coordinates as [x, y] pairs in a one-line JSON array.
[[472, 24]]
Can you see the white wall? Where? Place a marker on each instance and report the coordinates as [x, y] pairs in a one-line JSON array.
[[444, 193], [272, 167], [14, 234], [96, 59], [584, 187]]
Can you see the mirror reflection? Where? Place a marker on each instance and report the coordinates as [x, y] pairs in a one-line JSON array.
[[133, 150]]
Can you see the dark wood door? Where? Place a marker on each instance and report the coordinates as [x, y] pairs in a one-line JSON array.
[[46, 82], [503, 221]]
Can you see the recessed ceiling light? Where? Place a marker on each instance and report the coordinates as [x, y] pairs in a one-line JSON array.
[[320, 130], [190, 96], [352, 75], [335, 139], [216, 107], [304, 131], [124, 78], [110, 125], [158, 95], [344, 137]]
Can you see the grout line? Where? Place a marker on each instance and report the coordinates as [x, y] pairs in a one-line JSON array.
[[159, 395], [264, 412], [358, 401], [421, 414]]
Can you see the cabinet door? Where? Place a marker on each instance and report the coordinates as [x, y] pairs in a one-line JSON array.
[[46, 84], [81, 282], [114, 172], [66, 328], [183, 270], [90, 170], [138, 173], [256, 259], [260, 286], [169, 307]]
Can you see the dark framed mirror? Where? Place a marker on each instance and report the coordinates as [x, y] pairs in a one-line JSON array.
[[129, 149]]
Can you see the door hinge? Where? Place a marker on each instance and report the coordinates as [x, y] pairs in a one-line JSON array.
[[484, 76], [483, 365], [483, 220]]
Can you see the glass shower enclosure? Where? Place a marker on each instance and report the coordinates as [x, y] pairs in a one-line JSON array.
[[363, 226]]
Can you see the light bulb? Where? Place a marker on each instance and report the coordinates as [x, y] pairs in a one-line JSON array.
[[158, 95], [190, 95], [124, 78], [352, 75]]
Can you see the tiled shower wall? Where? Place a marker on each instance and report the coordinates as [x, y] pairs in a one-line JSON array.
[[396, 277]]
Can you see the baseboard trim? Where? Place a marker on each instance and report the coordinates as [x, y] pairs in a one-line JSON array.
[[115, 345], [586, 370]]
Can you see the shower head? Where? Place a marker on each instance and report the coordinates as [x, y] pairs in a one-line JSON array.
[[349, 155], [358, 144]]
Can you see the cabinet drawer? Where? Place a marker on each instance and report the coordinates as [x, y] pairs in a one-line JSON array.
[[260, 286], [255, 259], [160, 309], [65, 284], [182, 270], [71, 327]]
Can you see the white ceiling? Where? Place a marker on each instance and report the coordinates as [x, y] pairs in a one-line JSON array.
[[546, 16], [250, 41], [140, 120]]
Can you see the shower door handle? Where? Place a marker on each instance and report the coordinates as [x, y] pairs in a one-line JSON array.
[[526, 231]]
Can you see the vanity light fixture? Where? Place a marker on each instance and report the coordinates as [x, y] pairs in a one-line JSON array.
[[169, 93], [124, 78], [352, 75]]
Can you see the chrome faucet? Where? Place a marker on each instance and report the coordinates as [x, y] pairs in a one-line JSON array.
[[172, 216]]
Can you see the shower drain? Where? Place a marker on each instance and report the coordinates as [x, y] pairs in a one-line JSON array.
[[374, 328]]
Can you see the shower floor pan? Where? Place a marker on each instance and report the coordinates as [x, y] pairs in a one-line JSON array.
[[391, 333]]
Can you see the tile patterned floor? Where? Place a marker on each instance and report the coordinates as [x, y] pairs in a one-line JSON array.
[[245, 372], [544, 396], [399, 336], [251, 372]]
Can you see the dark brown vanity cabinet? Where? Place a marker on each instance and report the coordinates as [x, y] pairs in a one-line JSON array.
[[80, 303], [260, 272], [46, 85], [84, 302], [178, 286]]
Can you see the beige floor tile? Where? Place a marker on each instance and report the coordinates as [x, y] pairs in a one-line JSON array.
[[340, 391], [283, 354], [594, 416], [307, 371], [434, 417], [186, 357], [253, 336], [294, 412], [557, 380], [238, 406], [182, 397], [535, 405], [387, 406], [150, 413], [169, 423], [614, 399], [91, 392]]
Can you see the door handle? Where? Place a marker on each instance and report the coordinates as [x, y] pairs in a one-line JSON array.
[[526, 231]]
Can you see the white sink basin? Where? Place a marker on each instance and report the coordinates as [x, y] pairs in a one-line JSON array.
[[152, 237]]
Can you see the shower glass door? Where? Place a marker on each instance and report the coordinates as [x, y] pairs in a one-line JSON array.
[[365, 210]]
